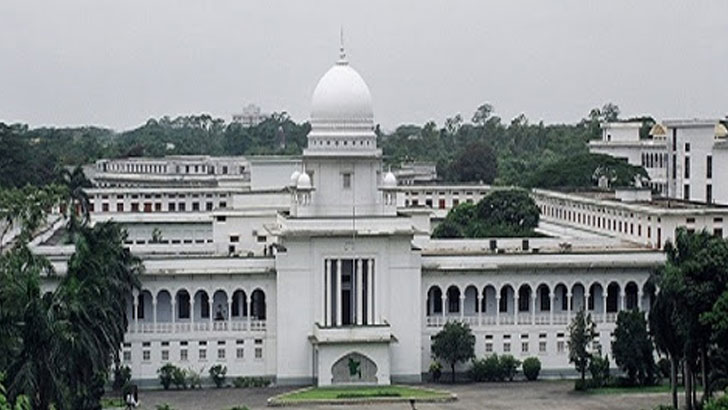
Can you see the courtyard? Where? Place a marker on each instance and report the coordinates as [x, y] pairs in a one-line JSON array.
[[547, 395]]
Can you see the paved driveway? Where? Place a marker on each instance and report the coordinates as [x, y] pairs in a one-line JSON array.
[[548, 395]]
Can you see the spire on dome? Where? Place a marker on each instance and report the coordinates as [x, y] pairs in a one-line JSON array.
[[342, 53]]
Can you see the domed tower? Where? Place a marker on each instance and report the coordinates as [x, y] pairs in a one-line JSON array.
[[342, 158]]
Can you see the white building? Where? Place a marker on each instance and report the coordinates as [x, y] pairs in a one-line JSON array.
[[250, 116], [622, 140], [321, 261]]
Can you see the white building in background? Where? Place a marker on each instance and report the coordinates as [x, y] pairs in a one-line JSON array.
[[250, 116], [622, 140], [307, 264]]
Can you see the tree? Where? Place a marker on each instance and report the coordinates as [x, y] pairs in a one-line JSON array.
[[481, 115], [513, 208], [475, 163], [632, 348], [584, 171], [582, 332], [453, 344]]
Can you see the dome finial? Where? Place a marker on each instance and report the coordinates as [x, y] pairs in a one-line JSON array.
[[342, 53]]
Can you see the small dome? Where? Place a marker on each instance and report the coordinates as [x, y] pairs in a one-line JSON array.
[[341, 96], [304, 181], [389, 181], [294, 178]]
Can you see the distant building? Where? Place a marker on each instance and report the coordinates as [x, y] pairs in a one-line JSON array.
[[622, 140], [412, 173], [250, 117]]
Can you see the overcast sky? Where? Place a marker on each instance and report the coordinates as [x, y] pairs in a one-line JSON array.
[[118, 63]]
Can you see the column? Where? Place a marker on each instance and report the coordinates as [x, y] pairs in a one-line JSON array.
[[443, 303], [154, 313], [229, 301], [604, 306], [250, 311], [639, 300], [552, 300], [462, 306], [515, 307], [497, 308], [370, 291], [192, 312], [479, 307], [211, 303], [622, 300], [173, 301], [135, 310], [327, 289], [339, 311], [533, 308], [359, 273], [568, 307]]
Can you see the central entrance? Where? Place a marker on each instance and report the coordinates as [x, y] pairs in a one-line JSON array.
[[349, 292]]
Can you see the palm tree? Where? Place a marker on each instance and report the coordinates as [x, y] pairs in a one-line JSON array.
[[77, 201]]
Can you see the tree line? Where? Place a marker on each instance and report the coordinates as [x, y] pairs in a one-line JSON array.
[[485, 149]]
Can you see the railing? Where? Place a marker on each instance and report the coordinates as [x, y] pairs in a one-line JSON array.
[[524, 318], [543, 319], [611, 317], [253, 325], [561, 319], [507, 319]]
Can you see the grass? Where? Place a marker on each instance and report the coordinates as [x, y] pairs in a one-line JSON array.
[[361, 392], [112, 402], [660, 388]]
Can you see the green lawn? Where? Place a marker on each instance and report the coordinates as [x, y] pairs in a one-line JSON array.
[[660, 388], [361, 392], [111, 402]]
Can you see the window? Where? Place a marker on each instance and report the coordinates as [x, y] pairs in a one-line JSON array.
[[240, 353], [220, 354], [234, 238], [146, 355], [524, 347], [261, 238], [220, 218], [171, 207], [105, 207], [709, 193], [258, 352], [182, 207], [488, 347], [506, 347], [687, 147], [560, 346], [687, 167], [686, 192], [183, 355], [140, 307], [346, 180], [165, 355], [208, 206], [718, 232], [127, 355], [195, 206], [709, 167], [134, 207], [542, 347], [203, 354], [223, 204]]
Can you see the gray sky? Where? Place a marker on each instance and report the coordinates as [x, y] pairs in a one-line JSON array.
[[118, 63]]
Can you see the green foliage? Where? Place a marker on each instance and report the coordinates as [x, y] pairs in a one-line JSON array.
[[584, 171], [122, 376], [239, 408], [531, 368], [179, 377], [454, 343], [581, 333], [495, 368], [194, 378], [501, 213], [21, 402], [244, 382], [509, 366], [435, 370], [720, 403], [599, 370], [476, 163], [166, 375], [57, 347], [632, 348], [217, 374], [164, 406]]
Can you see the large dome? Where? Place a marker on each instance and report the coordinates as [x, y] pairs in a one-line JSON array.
[[341, 95]]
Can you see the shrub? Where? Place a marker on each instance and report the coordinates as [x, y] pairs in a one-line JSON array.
[[239, 408], [721, 403], [179, 377], [217, 374], [509, 366], [122, 376], [435, 371], [164, 406], [251, 382], [599, 369], [486, 369], [166, 375], [531, 368], [194, 378]]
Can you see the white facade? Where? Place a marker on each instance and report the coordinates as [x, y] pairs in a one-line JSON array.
[[294, 278]]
